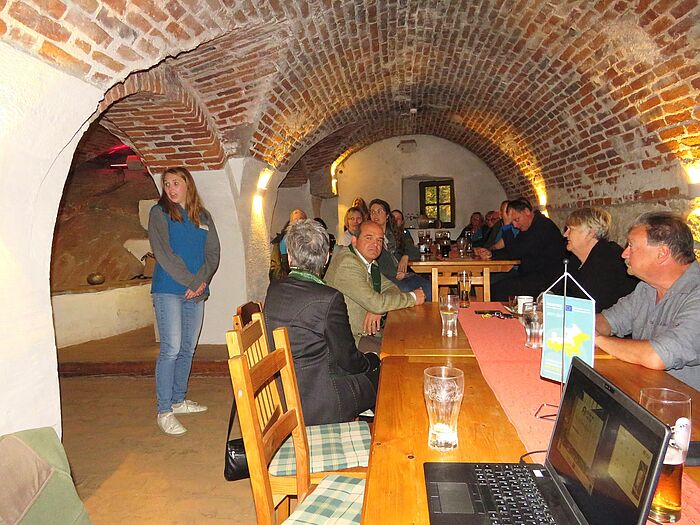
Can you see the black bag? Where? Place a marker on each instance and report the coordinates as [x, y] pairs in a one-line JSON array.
[[235, 461]]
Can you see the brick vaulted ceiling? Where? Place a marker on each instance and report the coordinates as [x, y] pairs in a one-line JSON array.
[[564, 94]]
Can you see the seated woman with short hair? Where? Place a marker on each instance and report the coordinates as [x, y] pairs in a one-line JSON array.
[[336, 381], [598, 265]]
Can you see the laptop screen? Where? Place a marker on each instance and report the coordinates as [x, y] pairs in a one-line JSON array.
[[605, 449]]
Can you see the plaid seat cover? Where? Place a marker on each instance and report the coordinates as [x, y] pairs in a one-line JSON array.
[[334, 446], [337, 500]]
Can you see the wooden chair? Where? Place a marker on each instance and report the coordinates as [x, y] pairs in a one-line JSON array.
[[244, 314], [349, 441], [449, 276], [265, 437]]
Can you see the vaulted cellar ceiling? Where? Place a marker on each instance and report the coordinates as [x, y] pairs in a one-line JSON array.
[[569, 95]]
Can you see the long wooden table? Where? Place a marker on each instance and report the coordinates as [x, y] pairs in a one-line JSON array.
[[395, 491], [466, 263], [417, 331]]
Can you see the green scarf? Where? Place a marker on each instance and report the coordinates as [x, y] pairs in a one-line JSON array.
[[303, 275]]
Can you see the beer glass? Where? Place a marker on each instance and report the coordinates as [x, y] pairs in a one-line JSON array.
[[465, 288], [443, 388], [673, 408], [533, 321], [449, 308]]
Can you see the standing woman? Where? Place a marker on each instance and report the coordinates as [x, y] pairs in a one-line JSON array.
[[184, 241]]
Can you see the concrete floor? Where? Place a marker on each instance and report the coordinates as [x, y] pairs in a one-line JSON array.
[[125, 469]]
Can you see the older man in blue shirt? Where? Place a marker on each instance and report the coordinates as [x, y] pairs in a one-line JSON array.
[[663, 312]]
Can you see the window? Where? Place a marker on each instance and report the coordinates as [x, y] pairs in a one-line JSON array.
[[437, 201]]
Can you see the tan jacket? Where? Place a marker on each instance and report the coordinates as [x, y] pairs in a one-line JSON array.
[[348, 274]]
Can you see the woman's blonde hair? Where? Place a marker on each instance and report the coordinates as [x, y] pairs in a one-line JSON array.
[[596, 220], [193, 203]]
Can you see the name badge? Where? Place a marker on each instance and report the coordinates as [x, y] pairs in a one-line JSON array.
[[204, 227]]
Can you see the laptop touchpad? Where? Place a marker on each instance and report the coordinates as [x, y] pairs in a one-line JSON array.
[[454, 497]]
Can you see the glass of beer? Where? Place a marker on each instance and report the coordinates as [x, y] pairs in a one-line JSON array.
[[465, 288], [443, 388], [673, 408], [449, 308]]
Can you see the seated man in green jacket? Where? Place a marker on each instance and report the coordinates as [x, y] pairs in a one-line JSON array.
[[368, 294]]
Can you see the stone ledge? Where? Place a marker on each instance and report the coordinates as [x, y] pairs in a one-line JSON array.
[[91, 288]]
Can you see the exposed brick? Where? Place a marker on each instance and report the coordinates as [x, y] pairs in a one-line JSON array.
[[3, 28], [118, 6], [89, 6], [59, 57], [53, 8], [83, 46], [128, 54], [108, 61], [89, 28], [43, 25]]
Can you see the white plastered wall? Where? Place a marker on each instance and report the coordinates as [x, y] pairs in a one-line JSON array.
[[43, 114], [377, 171]]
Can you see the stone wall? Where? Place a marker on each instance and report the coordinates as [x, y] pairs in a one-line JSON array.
[[98, 213]]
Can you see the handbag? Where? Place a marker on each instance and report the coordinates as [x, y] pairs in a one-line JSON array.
[[235, 461]]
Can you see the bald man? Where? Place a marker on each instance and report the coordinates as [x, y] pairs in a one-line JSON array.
[[368, 294]]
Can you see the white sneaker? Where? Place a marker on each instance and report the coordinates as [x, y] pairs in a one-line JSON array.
[[188, 407], [169, 424]]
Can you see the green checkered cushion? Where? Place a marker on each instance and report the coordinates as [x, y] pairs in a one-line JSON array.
[[334, 446], [337, 500]]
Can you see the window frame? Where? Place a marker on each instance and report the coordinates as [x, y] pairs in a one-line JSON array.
[[437, 183]]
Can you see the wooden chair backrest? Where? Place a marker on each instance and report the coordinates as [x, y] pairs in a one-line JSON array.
[[253, 344], [449, 276], [262, 441], [244, 314]]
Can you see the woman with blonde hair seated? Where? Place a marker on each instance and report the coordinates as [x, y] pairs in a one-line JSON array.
[[598, 265]]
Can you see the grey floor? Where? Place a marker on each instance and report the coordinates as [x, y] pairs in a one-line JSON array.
[[127, 471]]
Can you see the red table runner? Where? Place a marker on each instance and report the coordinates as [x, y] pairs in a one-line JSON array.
[[513, 373]]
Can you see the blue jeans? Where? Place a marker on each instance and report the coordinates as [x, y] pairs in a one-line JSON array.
[[179, 324], [413, 281]]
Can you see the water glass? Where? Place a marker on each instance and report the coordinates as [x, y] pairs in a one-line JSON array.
[[465, 288], [532, 319], [443, 388], [449, 308], [673, 408]]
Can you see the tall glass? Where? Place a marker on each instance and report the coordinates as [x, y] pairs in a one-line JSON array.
[[465, 288], [673, 408], [443, 388], [534, 328], [449, 308]]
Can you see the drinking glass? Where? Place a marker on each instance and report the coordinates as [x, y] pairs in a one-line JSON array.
[[532, 319], [449, 308], [465, 288], [461, 246], [443, 388], [673, 408], [512, 304]]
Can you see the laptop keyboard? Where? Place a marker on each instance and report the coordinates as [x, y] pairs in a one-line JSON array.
[[513, 493]]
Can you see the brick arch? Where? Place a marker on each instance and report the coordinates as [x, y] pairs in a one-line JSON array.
[[587, 95], [596, 93], [160, 119]]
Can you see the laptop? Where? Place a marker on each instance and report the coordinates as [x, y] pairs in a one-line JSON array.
[[602, 465]]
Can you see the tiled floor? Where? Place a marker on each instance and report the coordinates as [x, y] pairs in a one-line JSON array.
[[125, 469]]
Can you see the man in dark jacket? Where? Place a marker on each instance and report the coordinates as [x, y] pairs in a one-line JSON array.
[[540, 247], [336, 381]]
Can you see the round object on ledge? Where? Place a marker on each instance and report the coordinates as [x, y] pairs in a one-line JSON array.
[[95, 278]]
